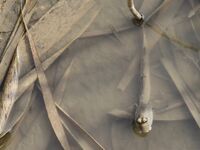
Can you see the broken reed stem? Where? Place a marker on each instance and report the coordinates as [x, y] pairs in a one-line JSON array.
[[58, 95], [171, 38], [90, 139], [163, 4]]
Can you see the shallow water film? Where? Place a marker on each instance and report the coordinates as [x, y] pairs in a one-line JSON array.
[[99, 74]]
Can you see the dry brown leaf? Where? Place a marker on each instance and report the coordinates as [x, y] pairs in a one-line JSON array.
[[11, 45], [4, 10], [47, 95], [73, 34], [8, 93], [78, 29]]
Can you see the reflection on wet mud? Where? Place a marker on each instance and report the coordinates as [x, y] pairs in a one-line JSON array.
[[100, 69]]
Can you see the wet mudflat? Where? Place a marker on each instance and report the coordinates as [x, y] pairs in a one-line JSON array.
[[103, 53]]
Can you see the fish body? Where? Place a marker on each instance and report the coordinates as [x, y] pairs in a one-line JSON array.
[[144, 113]]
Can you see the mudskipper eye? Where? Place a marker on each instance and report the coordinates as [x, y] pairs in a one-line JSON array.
[[139, 120], [142, 120]]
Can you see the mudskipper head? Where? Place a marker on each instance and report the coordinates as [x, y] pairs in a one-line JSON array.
[[143, 120]]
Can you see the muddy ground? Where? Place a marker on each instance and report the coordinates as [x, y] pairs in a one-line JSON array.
[[101, 57]]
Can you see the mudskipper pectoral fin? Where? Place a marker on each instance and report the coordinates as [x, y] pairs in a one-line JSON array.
[[180, 113], [122, 113]]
